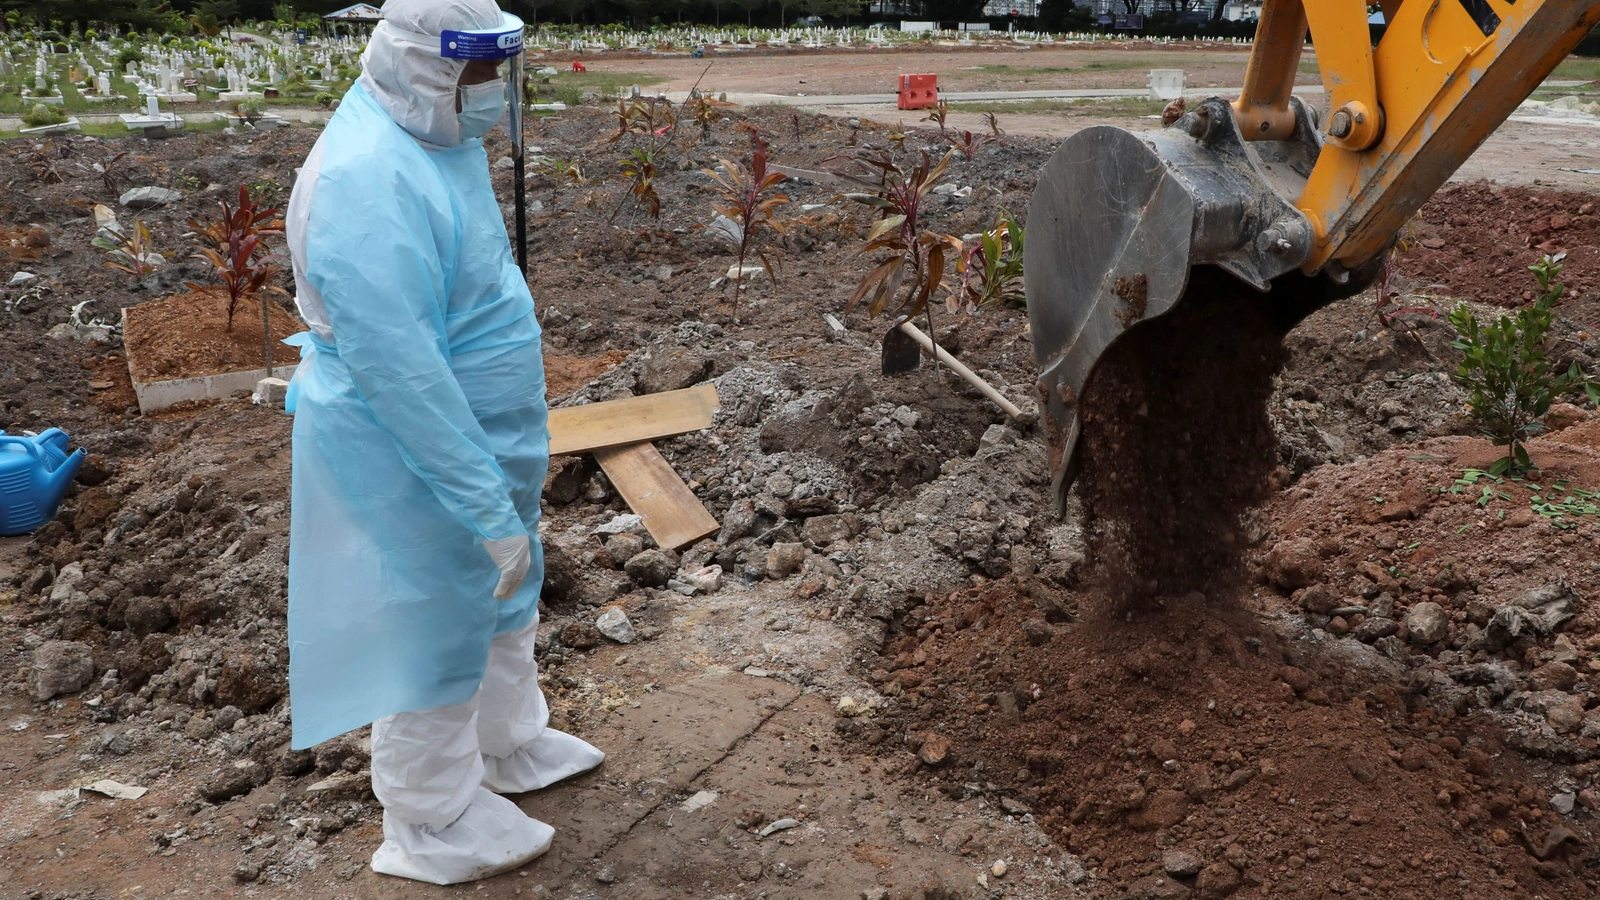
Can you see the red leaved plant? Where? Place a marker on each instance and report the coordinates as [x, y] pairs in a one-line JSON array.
[[916, 260], [240, 259], [747, 207]]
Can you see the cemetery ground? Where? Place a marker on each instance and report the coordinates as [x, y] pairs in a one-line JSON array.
[[904, 686]]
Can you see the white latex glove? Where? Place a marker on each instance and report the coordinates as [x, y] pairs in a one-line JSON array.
[[512, 557]]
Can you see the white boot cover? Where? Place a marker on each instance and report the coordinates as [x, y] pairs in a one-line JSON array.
[[492, 836], [519, 752]]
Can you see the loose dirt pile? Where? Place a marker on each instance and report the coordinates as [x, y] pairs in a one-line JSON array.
[[1177, 443], [1192, 750]]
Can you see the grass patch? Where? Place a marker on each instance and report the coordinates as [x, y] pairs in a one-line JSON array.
[[1578, 67], [1114, 107]]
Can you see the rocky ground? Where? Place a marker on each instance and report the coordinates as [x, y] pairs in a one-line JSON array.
[[901, 686]]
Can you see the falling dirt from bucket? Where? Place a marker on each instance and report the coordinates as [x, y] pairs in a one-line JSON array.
[[1177, 443]]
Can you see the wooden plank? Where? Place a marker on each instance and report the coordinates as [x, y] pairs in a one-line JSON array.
[[672, 514], [632, 420]]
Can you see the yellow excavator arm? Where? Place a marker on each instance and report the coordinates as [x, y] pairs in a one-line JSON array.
[[1406, 114], [1261, 186]]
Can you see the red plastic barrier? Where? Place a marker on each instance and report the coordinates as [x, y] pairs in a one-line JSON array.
[[578, 66], [918, 91]]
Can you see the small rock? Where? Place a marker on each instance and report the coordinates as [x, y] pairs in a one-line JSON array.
[[1426, 623], [707, 579], [1014, 807], [1165, 809], [248, 869], [699, 801], [652, 568], [1375, 628], [580, 636], [1564, 802], [66, 582], [998, 870], [784, 559], [233, 781], [1553, 676], [614, 624], [1238, 778], [670, 370], [1217, 881], [606, 875], [625, 523], [21, 278], [148, 615], [1563, 650], [623, 547], [820, 531], [905, 417], [935, 750], [1293, 564], [850, 707], [1564, 415], [996, 436], [1320, 599], [61, 667], [115, 743], [200, 729], [270, 392], [38, 237], [1181, 863], [780, 825], [1038, 632], [146, 197]]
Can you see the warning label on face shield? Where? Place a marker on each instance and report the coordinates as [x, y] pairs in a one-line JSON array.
[[480, 45]]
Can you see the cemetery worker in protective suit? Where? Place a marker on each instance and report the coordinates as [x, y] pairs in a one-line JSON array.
[[420, 450]]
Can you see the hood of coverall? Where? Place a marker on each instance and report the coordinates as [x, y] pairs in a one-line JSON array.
[[405, 74]]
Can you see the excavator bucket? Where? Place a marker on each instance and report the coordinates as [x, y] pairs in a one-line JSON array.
[[1118, 220]]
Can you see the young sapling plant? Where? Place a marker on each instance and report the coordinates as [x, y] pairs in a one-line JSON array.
[[748, 203], [1506, 370], [240, 259]]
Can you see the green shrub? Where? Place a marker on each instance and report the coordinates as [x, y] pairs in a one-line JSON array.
[[250, 109], [324, 99], [1507, 371], [127, 55], [41, 115]]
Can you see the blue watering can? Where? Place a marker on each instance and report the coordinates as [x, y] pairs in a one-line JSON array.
[[34, 474]]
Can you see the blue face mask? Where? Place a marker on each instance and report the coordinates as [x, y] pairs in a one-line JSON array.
[[482, 105]]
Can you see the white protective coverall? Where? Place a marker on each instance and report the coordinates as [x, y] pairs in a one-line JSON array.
[[419, 439]]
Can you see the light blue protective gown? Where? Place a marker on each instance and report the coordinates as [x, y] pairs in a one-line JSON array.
[[419, 432]]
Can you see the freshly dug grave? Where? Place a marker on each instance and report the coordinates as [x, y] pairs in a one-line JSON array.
[[1403, 704], [187, 335], [1193, 751], [1177, 443]]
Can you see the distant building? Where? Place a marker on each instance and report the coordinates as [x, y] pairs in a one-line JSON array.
[[1242, 10], [1153, 7], [1021, 9]]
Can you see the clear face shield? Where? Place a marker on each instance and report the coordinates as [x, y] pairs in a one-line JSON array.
[[503, 45]]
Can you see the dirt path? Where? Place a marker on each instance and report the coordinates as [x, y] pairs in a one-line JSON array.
[[860, 72]]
